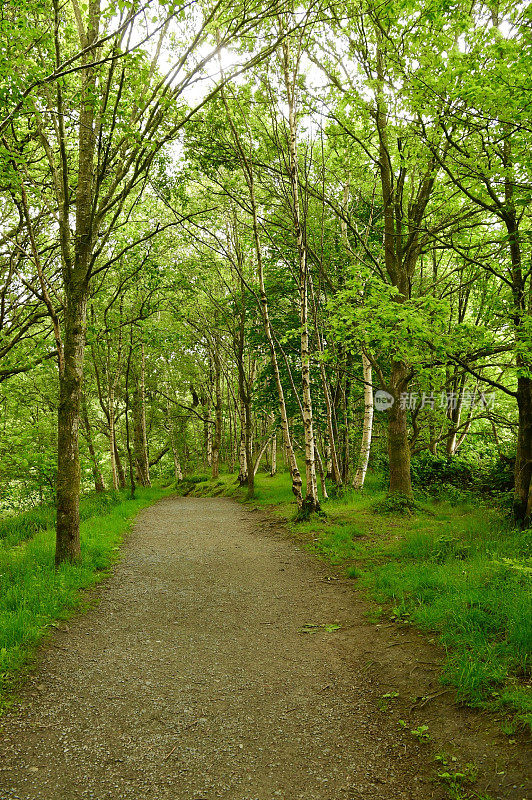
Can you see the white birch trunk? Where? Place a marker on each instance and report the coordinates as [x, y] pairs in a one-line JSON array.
[[177, 464], [242, 457], [328, 460], [273, 456], [321, 471], [208, 436], [311, 496], [259, 456], [367, 428], [331, 455]]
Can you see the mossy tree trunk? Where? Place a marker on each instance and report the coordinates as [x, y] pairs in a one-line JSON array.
[[138, 409], [76, 276]]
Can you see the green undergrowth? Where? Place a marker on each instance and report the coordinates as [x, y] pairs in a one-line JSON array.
[[34, 595], [456, 568], [20, 527]]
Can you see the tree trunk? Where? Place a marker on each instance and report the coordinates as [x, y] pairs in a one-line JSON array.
[[248, 445], [68, 547], [119, 468], [311, 502], [236, 436], [178, 472], [245, 383], [76, 276], [139, 439], [112, 439], [273, 455], [367, 428], [321, 472], [328, 459], [402, 222], [454, 413], [126, 413], [138, 408], [217, 439], [231, 445], [521, 310], [242, 458], [346, 452], [207, 432], [523, 460], [261, 452], [331, 457], [398, 444], [99, 485], [291, 460]]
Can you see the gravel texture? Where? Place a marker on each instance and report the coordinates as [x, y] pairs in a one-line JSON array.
[[193, 678]]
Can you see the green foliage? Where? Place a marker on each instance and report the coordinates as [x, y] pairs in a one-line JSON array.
[[421, 733], [482, 608], [498, 477], [20, 527], [189, 482], [395, 504], [457, 476], [14, 530], [410, 330], [336, 542], [176, 272], [432, 472], [453, 778]]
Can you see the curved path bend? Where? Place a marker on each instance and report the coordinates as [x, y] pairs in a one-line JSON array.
[[199, 675]]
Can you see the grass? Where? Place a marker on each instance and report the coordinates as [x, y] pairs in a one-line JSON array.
[[455, 569], [33, 594], [20, 527]]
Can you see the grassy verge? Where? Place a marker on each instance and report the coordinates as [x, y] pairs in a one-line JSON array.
[[33, 594], [455, 569], [20, 527]]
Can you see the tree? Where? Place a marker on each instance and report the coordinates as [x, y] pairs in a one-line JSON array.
[[127, 111]]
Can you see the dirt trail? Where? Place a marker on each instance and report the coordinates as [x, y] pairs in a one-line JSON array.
[[191, 679]]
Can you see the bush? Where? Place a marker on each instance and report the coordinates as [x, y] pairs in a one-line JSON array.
[[455, 476], [431, 473], [498, 477], [395, 504], [195, 479]]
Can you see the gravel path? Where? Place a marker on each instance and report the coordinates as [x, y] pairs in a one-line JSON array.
[[191, 679]]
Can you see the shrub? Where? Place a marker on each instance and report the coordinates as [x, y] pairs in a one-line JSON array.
[[498, 476], [395, 504], [432, 472]]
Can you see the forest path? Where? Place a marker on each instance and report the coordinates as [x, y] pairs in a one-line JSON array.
[[191, 679]]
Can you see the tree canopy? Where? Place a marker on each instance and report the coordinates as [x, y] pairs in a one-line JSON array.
[[241, 235]]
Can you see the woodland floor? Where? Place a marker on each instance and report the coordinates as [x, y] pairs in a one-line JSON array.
[[199, 674]]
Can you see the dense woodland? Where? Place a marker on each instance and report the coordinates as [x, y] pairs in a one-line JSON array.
[[250, 236]]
